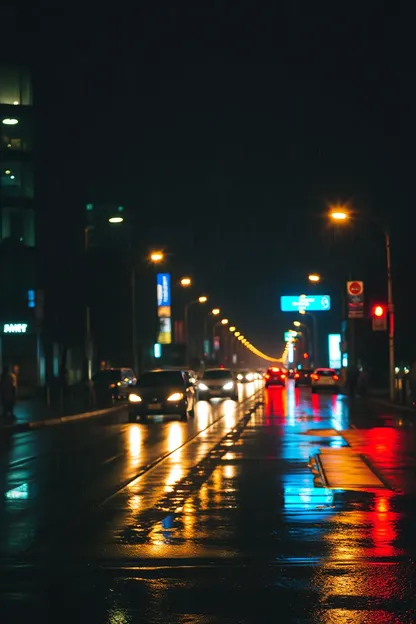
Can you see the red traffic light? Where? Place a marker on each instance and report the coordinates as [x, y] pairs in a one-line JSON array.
[[379, 311], [379, 317]]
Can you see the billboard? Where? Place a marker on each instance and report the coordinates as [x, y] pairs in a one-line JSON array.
[[164, 308], [309, 303], [334, 350]]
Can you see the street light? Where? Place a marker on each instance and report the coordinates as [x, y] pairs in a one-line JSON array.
[[314, 277], [186, 281], [342, 215], [222, 322], [307, 336], [200, 300], [236, 334], [157, 256], [232, 328], [339, 214], [116, 220], [216, 311], [315, 334]]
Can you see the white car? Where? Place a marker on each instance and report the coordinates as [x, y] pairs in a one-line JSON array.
[[325, 379], [217, 383]]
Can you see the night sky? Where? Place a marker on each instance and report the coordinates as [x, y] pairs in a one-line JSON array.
[[226, 132]]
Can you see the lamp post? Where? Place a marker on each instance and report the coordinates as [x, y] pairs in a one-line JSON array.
[[88, 335], [222, 322], [339, 214], [315, 335], [307, 336], [200, 300], [214, 313]]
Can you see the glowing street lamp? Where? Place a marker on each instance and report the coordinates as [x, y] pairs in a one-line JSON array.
[[10, 121], [116, 220], [224, 321], [202, 299], [157, 256], [232, 328], [338, 214], [216, 311], [236, 334], [314, 277], [186, 281]]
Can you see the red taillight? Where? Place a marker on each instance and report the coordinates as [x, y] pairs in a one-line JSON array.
[[297, 375], [283, 376], [335, 377], [267, 376], [315, 377]]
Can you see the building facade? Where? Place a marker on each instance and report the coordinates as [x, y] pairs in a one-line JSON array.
[[20, 300]]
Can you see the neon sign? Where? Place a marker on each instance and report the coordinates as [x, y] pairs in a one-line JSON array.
[[14, 328]]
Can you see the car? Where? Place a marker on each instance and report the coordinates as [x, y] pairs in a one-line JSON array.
[[114, 383], [217, 383], [303, 377], [275, 376], [162, 392], [325, 379], [245, 376]]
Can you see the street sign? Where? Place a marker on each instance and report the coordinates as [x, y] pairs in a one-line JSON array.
[[290, 335], [355, 299], [308, 303]]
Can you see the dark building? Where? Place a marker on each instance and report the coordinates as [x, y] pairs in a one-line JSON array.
[[20, 299]]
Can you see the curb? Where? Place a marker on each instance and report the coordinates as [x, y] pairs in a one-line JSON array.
[[386, 403], [51, 422]]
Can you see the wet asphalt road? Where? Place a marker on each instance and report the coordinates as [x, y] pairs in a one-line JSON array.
[[225, 522]]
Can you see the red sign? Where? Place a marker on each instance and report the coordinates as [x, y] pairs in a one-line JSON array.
[[355, 288], [355, 299]]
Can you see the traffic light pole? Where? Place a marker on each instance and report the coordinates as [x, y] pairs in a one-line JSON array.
[[392, 375]]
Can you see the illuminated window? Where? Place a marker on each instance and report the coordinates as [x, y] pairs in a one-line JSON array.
[[15, 86], [16, 180], [17, 138], [18, 224]]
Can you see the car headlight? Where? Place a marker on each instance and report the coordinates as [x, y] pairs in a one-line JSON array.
[[228, 386], [249, 377], [134, 398], [176, 396], [239, 377], [202, 386]]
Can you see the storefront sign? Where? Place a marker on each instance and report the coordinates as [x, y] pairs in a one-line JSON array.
[[15, 328]]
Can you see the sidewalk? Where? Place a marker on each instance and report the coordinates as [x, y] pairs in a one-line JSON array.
[[34, 413]]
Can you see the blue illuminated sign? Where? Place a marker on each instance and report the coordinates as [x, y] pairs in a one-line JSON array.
[[31, 299], [290, 335], [309, 303], [157, 350], [163, 290]]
